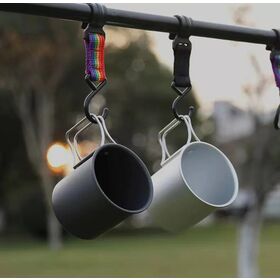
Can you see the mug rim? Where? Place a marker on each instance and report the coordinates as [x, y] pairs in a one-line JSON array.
[[145, 169], [235, 178]]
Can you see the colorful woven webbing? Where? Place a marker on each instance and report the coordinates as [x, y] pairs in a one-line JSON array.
[[95, 66], [275, 63]]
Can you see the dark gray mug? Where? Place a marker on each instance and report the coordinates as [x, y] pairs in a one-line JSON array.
[[106, 187]]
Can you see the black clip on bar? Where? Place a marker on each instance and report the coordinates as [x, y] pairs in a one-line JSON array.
[[97, 18]]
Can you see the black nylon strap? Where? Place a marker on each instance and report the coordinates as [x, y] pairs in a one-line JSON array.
[[182, 50]]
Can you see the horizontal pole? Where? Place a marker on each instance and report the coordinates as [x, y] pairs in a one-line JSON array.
[[115, 17]]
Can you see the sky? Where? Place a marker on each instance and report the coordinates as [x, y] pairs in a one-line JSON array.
[[219, 69]]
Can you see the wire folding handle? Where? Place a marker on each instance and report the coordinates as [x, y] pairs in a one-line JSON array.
[[72, 140], [165, 155]]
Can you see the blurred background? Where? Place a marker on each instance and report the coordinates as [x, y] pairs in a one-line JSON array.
[[42, 90]]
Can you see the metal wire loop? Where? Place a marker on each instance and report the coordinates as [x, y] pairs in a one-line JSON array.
[[165, 155]]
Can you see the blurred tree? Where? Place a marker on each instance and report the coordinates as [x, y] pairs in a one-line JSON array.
[[261, 167], [261, 178], [34, 61], [12, 156]]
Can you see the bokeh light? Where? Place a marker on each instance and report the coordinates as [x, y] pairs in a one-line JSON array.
[[59, 158]]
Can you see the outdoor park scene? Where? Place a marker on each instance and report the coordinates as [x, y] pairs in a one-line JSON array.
[[234, 95]]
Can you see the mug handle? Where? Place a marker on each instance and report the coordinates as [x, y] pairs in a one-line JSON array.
[[74, 144], [166, 130], [102, 141], [101, 118]]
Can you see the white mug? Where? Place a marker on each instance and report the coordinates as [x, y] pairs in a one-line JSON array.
[[192, 183]]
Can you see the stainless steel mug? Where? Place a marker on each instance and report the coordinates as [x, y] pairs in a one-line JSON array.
[[193, 182], [106, 187]]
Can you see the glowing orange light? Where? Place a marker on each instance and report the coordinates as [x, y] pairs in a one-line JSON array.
[[59, 158]]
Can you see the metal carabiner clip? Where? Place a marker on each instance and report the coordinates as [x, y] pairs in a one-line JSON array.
[[88, 99]]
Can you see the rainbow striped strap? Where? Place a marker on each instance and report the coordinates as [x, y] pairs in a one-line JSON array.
[[275, 63], [94, 47]]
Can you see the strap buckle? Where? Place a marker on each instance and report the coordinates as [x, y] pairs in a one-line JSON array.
[[181, 41]]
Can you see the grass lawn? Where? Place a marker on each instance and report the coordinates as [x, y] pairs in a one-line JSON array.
[[199, 252]]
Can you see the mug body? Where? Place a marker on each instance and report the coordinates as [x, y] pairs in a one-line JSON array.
[[191, 184], [105, 189]]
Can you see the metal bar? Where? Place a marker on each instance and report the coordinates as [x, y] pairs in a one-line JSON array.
[[114, 17]]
